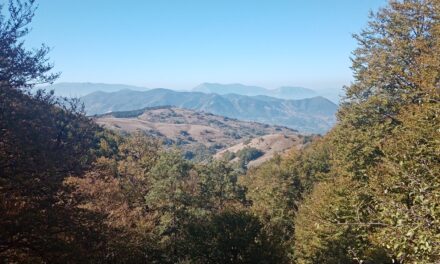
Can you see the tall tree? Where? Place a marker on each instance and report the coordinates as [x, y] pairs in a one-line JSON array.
[[42, 141], [382, 148]]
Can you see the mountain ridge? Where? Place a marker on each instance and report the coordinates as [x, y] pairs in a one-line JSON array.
[[283, 92], [78, 89], [312, 115]]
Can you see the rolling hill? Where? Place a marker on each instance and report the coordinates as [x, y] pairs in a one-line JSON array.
[[311, 115], [198, 134]]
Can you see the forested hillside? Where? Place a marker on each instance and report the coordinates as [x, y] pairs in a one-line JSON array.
[[366, 192], [369, 191]]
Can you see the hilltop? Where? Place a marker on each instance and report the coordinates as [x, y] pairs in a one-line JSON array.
[[199, 134]]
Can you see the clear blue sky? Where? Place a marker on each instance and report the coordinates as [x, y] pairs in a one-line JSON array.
[[181, 43]]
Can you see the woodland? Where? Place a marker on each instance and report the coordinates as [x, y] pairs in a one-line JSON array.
[[368, 191]]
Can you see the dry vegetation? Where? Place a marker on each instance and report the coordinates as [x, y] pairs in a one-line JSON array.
[[203, 134], [269, 145]]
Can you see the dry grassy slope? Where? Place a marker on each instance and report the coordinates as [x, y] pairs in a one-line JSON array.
[[270, 144], [190, 129]]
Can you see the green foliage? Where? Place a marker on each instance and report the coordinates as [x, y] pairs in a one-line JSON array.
[[152, 197], [407, 188], [228, 155], [332, 226], [273, 191], [276, 187], [230, 237], [248, 154], [219, 187], [379, 201], [171, 198], [311, 164]]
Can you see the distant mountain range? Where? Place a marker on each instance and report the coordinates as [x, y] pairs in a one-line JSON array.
[[284, 92], [82, 89], [312, 115]]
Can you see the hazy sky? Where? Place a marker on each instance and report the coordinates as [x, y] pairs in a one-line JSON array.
[[181, 43]]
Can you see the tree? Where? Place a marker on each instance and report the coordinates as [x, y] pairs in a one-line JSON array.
[[395, 65], [407, 187], [21, 68], [219, 188], [230, 237], [246, 155], [42, 141], [378, 185], [332, 227], [115, 188], [273, 191], [171, 197], [276, 187]]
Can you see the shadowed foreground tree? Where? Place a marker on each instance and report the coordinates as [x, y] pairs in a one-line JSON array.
[[42, 141]]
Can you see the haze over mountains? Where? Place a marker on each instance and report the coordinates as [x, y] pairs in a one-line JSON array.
[[311, 115], [295, 107], [72, 89], [284, 92], [77, 89]]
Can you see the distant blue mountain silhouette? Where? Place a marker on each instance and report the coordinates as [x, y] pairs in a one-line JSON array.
[[285, 92], [313, 115]]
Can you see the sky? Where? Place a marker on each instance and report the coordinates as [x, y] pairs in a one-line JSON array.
[[179, 44]]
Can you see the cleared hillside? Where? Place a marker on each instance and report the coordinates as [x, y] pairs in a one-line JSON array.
[[200, 134], [269, 145]]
